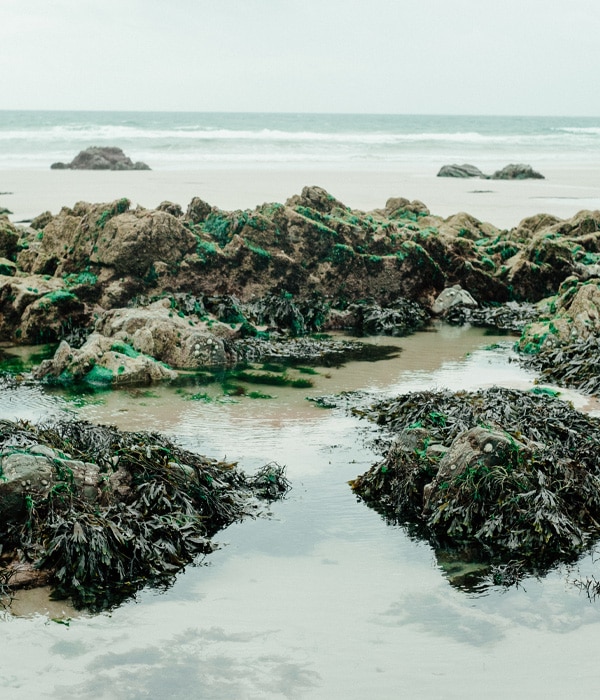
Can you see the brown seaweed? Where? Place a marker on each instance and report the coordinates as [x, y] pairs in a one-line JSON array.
[[535, 497], [168, 504]]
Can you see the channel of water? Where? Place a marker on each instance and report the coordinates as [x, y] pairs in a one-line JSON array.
[[320, 598]]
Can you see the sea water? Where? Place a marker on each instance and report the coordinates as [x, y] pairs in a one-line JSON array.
[[185, 140]]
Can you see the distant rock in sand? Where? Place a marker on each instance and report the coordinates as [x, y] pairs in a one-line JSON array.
[[514, 171], [464, 170], [101, 158]]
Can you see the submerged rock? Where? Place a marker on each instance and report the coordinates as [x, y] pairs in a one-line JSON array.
[[101, 158]]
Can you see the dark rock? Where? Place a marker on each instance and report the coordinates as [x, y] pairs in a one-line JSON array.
[[516, 171], [512, 316], [464, 170], [7, 267], [401, 317], [101, 158]]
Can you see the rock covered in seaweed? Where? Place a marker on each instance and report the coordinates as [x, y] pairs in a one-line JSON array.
[[101, 158], [102, 513], [563, 344], [510, 474], [306, 266], [102, 361]]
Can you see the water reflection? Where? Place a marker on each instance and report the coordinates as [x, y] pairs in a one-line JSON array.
[[322, 598]]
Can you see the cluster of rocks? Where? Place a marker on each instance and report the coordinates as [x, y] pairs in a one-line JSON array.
[[513, 171], [161, 290], [101, 158]]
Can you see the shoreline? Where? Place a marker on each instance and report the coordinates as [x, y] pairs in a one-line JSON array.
[[565, 190]]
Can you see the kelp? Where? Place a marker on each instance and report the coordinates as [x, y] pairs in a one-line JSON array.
[[512, 316], [314, 350], [529, 491], [167, 504], [402, 317], [573, 364]]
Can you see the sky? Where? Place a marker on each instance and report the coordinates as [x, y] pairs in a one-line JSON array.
[[530, 57]]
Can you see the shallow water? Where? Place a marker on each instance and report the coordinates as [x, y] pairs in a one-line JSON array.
[[322, 599]]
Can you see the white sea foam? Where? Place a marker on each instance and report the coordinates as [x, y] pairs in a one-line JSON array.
[[116, 133], [36, 139]]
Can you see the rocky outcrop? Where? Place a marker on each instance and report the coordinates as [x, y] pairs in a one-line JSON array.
[[295, 268], [36, 309], [182, 342], [101, 158], [103, 361], [9, 238], [564, 344]]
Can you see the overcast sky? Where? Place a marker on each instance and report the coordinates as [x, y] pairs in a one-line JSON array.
[[399, 56]]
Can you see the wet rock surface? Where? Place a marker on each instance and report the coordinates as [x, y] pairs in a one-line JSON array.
[[99, 513], [516, 171], [508, 475]]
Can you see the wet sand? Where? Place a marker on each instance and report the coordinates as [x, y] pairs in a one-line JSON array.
[[565, 191]]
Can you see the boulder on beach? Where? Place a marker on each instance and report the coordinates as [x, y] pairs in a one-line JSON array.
[[464, 170], [517, 171], [452, 297], [513, 171], [101, 158]]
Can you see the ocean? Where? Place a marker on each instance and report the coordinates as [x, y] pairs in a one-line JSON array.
[[188, 140]]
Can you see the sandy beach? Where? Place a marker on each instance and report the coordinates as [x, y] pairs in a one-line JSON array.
[[564, 191]]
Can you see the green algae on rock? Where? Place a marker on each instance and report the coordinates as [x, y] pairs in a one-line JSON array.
[[563, 343]]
